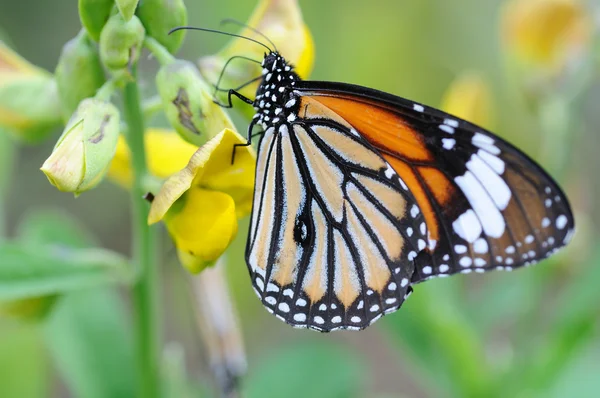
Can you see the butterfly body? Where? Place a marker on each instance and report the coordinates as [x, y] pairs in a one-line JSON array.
[[361, 194]]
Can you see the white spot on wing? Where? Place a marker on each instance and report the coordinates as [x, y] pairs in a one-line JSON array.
[[301, 302], [299, 317], [480, 246], [451, 122], [446, 128], [448, 143], [491, 220], [561, 221], [493, 161], [493, 184], [467, 225], [460, 249], [486, 143]]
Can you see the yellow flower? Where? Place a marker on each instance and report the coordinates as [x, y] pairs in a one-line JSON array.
[[546, 33], [279, 20], [201, 203], [166, 154], [29, 104], [469, 98]]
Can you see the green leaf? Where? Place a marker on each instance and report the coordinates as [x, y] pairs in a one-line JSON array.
[[37, 270], [307, 371], [53, 226], [440, 338], [90, 340]]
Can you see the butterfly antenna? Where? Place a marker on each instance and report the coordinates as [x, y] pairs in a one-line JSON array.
[[220, 32], [243, 25]]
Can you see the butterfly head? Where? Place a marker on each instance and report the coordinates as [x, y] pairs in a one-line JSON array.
[[274, 96]]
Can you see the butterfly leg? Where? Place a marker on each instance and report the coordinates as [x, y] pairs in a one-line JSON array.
[[248, 140], [229, 94]]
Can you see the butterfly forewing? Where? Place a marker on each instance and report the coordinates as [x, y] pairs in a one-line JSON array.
[[486, 204]]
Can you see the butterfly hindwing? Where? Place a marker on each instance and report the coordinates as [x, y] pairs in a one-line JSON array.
[[331, 233]]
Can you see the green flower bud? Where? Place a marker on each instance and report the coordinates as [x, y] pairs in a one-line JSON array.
[[94, 14], [79, 73], [121, 42], [83, 153], [127, 8], [159, 17], [188, 103], [29, 107]]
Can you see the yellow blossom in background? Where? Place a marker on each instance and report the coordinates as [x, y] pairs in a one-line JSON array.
[[469, 97], [166, 154], [546, 33], [279, 20], [201, 203]]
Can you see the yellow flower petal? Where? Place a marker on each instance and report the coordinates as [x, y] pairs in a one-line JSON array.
[[469, 98], [202, 223], [166, 154], [210, 167]]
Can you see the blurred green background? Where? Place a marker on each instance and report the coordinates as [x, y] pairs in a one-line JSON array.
[[529, 333]]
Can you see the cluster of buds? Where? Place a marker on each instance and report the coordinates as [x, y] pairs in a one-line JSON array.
[[203, 195]]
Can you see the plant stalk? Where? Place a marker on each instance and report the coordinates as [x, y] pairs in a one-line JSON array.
[[146, 288]]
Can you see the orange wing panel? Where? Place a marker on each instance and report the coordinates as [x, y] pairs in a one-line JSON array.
[[412, 181], [438, 184], [383, 129]]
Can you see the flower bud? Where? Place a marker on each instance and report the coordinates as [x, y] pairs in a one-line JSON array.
[[159, 17], [188, 103], [94, 14], [127, 8], [121, 42], [279, 20], [79, 73], [29, 105], [83, 153]]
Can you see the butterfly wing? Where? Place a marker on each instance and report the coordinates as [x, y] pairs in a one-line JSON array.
[[486, 204], [331, 234], [362, 194]]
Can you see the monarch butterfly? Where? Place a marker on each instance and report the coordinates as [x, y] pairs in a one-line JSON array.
[[361, 194]]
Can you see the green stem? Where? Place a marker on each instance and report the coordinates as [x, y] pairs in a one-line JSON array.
[[152, 106], [163, 55], [7, 159], [146, 289]]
